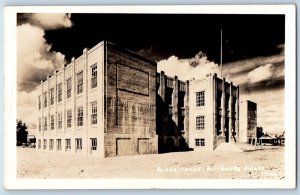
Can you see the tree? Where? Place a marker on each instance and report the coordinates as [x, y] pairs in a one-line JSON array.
[[259, 132], [21, 132]]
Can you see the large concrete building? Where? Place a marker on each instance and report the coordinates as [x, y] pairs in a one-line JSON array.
[[111, 101], [102, 103], [213, 113], [248, 122], [172, 113]]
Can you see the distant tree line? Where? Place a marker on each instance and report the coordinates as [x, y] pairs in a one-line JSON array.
[[259, 132], [21, 132]]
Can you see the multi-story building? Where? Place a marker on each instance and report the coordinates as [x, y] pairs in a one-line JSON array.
[[213, 112], [248, 122], [172, 113], [102, 103]]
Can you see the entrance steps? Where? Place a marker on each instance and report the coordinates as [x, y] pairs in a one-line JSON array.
[[228, 147]]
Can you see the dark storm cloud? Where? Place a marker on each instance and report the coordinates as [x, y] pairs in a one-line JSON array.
[[160, 36]]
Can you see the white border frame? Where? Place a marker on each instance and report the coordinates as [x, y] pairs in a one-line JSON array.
[[10, 180]]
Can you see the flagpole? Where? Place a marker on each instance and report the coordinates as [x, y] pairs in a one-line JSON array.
[[221, 56]]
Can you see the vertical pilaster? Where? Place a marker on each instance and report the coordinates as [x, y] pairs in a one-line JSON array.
[[175, 101], [186, 117], [230, 114], [237, 110], [86, 101], [162, 85], [223, 108]]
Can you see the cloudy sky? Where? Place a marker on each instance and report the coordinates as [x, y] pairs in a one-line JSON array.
[[184, 45]]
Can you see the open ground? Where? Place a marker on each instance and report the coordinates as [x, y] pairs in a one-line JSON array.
[[260, 162]]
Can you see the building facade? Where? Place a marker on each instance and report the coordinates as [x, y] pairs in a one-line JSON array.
[[172, 113], [103, 103], [248, 122], [213, 113]]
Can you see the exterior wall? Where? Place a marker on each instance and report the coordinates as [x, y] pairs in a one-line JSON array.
[[220, 112], [248, 122], [130, 110], [171, 115], [207, 133], [86, 131]]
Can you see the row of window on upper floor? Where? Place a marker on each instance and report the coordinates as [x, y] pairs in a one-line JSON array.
[[59, 90], [68, 118]]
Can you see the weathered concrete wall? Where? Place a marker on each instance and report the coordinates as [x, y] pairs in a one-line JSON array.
[[83, 64], [130, 103], [171, 123], [248, 122]]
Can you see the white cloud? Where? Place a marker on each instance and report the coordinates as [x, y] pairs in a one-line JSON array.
[[35, 61], [261, 73], [197, 67], [52, 21]]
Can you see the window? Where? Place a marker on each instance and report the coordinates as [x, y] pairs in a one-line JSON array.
[[59, 92], [51, 144], [93, 143], [69, 118], [200, 142], [94, 113], [40, 103], [200, 98], [45, 99], [80, 116], [79, 82], [39, 144], [69, 88], [40, 124], [44, 144], [94, 76], [45, 124], [59, 118], [78, 144], [58, 144], [68, 145], [52, 96], [52, 122], [200, 123]]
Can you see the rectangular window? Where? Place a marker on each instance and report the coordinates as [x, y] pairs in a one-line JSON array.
[[59, 92], [79, 83], [94, 113], [68, 145], [40, 124], [94, 76], [78, 144], [40, 103], [58, 144], [200, 123], [44, 144], [45, 123], [69, 118], [51, 96], [93, 143], [200, 98], [52, 122], [69, 87], [80, 116], [59, 118], [51, 144], [39, 144], [200, 142], [45, 99]]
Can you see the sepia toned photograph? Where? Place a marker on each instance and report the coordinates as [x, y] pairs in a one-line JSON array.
[[160, 96]]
